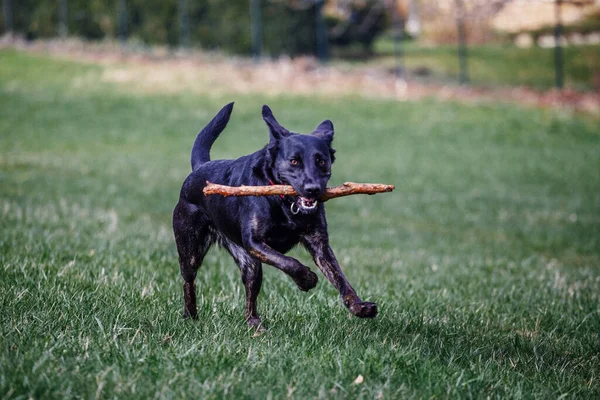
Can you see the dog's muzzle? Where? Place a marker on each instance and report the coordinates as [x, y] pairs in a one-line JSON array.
[[303, 204]]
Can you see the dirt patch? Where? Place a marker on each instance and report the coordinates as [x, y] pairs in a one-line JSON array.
[[159, 69]]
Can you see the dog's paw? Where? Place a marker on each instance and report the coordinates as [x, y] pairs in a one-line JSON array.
[[364, 309], [307, 280], [256, 324]]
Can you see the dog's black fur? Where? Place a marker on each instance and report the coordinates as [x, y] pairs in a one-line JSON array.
[[261, 229]]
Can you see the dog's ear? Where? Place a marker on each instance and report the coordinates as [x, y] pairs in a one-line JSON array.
[[277, 131], [324, 131]]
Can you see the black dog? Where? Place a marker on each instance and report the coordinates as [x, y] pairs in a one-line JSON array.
[[261, 229]]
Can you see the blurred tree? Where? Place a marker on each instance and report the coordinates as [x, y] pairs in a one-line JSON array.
[[356, 21], [288, 26], [7, 17], [35, 19], [63, 29], [184, 23], [153, 21], [92, 19]]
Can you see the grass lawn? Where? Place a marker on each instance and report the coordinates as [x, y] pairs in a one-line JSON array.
[[485, 261], [496, 65]]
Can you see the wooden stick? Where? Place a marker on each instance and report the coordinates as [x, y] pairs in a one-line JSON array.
[[345, 189]]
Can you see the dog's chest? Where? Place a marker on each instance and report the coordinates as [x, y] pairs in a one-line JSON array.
[[282, 237]]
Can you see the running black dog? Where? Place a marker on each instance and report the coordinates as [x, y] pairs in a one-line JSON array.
[[261, 229]]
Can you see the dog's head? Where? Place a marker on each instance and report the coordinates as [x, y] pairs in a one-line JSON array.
[[302, 161]]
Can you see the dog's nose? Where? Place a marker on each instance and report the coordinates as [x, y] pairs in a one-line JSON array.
[[312, 190]]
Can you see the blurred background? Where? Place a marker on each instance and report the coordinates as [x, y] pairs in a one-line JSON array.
[[484, 261], [555, 43]]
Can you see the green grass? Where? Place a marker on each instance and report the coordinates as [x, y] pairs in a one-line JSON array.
[[497, 65], [485, 261]]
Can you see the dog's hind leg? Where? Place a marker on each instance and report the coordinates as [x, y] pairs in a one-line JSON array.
[[193, 237], [251, 270]]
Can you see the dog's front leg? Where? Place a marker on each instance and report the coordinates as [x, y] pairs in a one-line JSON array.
[[317, 243], [302, 275]]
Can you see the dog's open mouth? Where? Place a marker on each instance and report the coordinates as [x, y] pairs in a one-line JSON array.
[[307, 204], [304, 205]]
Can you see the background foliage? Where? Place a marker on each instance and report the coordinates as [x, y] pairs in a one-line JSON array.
[[214, 24]]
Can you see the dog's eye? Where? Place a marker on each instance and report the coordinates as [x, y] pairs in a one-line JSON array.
[[293, 161], [321, 163]]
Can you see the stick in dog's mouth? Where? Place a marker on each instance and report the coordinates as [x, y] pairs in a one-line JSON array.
[[348, 188]]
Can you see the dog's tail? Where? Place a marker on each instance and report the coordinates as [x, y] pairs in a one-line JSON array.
[[208, 135]]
